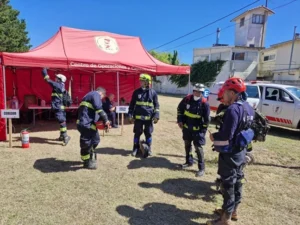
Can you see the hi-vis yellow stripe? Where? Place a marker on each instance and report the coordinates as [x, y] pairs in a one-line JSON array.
[[93, 126], [150, 104], [57, 95], [87, 104], [191, 115], [142, 117], [194, 128]]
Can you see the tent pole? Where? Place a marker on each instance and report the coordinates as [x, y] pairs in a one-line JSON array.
[[4, 85], [4, 89], [94, 83], [118, 95], [189, 83]]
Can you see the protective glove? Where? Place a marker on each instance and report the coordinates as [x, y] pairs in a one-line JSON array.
[[130, 119], [180, 124], [155, 120], [107, 126]]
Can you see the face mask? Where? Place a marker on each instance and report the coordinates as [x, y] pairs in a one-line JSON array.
[[196, 98]]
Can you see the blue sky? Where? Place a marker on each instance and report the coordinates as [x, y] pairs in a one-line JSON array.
[[155, 21]]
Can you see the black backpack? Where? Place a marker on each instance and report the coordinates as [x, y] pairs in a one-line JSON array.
[[66, 99], [260, 126]]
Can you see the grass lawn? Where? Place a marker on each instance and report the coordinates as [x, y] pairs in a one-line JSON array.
[[46, 184]]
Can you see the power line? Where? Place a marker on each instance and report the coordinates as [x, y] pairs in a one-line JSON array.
[[213, 33], [205, 25]]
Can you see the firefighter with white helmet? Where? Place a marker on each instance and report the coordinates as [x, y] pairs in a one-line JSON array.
[[58, 88], [143, 111], [193, 116]]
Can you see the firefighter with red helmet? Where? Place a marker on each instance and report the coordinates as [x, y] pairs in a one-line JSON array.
[[193, 117], [143, 111], [231, 142]]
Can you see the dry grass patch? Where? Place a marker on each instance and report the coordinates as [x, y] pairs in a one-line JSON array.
[[46, 184]]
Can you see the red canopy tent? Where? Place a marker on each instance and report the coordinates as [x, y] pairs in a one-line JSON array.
[[88, 58]]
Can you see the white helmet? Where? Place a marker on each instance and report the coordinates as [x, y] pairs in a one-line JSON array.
[[199, 87], [61, 77]]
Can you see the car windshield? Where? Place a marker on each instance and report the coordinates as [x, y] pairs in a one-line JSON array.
[[252, 91], [295, 91]]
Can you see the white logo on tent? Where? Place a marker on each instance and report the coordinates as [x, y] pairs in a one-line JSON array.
[[107, 44]]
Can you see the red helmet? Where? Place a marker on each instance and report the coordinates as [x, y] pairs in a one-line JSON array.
[[234, 83], [220, 94]]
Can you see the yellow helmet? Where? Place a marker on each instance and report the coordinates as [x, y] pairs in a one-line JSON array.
[[145, 77]]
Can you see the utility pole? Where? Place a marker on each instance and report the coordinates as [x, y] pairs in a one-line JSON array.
[[264, 24], [291, 57]]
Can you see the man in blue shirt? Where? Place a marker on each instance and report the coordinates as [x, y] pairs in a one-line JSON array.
[[110, 109], [227, 141]]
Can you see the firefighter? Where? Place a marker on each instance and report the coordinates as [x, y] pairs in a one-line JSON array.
[[193, 117], [230, 142], [58, 88], [89, 112], [143, 111]]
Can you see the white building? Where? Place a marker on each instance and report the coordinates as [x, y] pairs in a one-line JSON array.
[[250, 28], [242, 59], [275, 62]]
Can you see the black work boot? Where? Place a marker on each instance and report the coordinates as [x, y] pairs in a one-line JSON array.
[[225, 219], [91, 163], [135, 149], [61, 137], [186, 165], [201, 165], [200, 173], [66, 140]]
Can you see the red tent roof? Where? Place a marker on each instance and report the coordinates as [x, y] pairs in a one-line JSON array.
[[92, 50]]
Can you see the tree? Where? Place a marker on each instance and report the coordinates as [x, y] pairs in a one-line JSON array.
[[13, 35], [205, 71]]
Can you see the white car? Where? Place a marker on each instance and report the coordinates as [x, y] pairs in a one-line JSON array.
[[279, 103]]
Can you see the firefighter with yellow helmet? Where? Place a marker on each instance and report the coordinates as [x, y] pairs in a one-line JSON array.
[[143, 111]]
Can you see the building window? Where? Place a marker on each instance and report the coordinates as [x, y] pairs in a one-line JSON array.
[[238, 56], [269, 57], [242, 22], [252, 46], [258, 19]]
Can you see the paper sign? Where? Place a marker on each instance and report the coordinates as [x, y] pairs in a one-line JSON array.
[[10, 113], [122, 109]]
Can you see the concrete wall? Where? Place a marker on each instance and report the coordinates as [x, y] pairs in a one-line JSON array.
[[250, 33], [167, 87]]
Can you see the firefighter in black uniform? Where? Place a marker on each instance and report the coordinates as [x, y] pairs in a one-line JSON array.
[[144, 111], [193, 116], [58, 87], [89, 112], [231, 142]]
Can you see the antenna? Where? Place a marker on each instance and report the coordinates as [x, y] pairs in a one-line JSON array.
[[218, 36]]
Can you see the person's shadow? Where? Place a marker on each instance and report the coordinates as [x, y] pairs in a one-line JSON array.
[[160, 214], [151, 162], [185, 188], [53, 165], [39, 140], [112, 151]]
